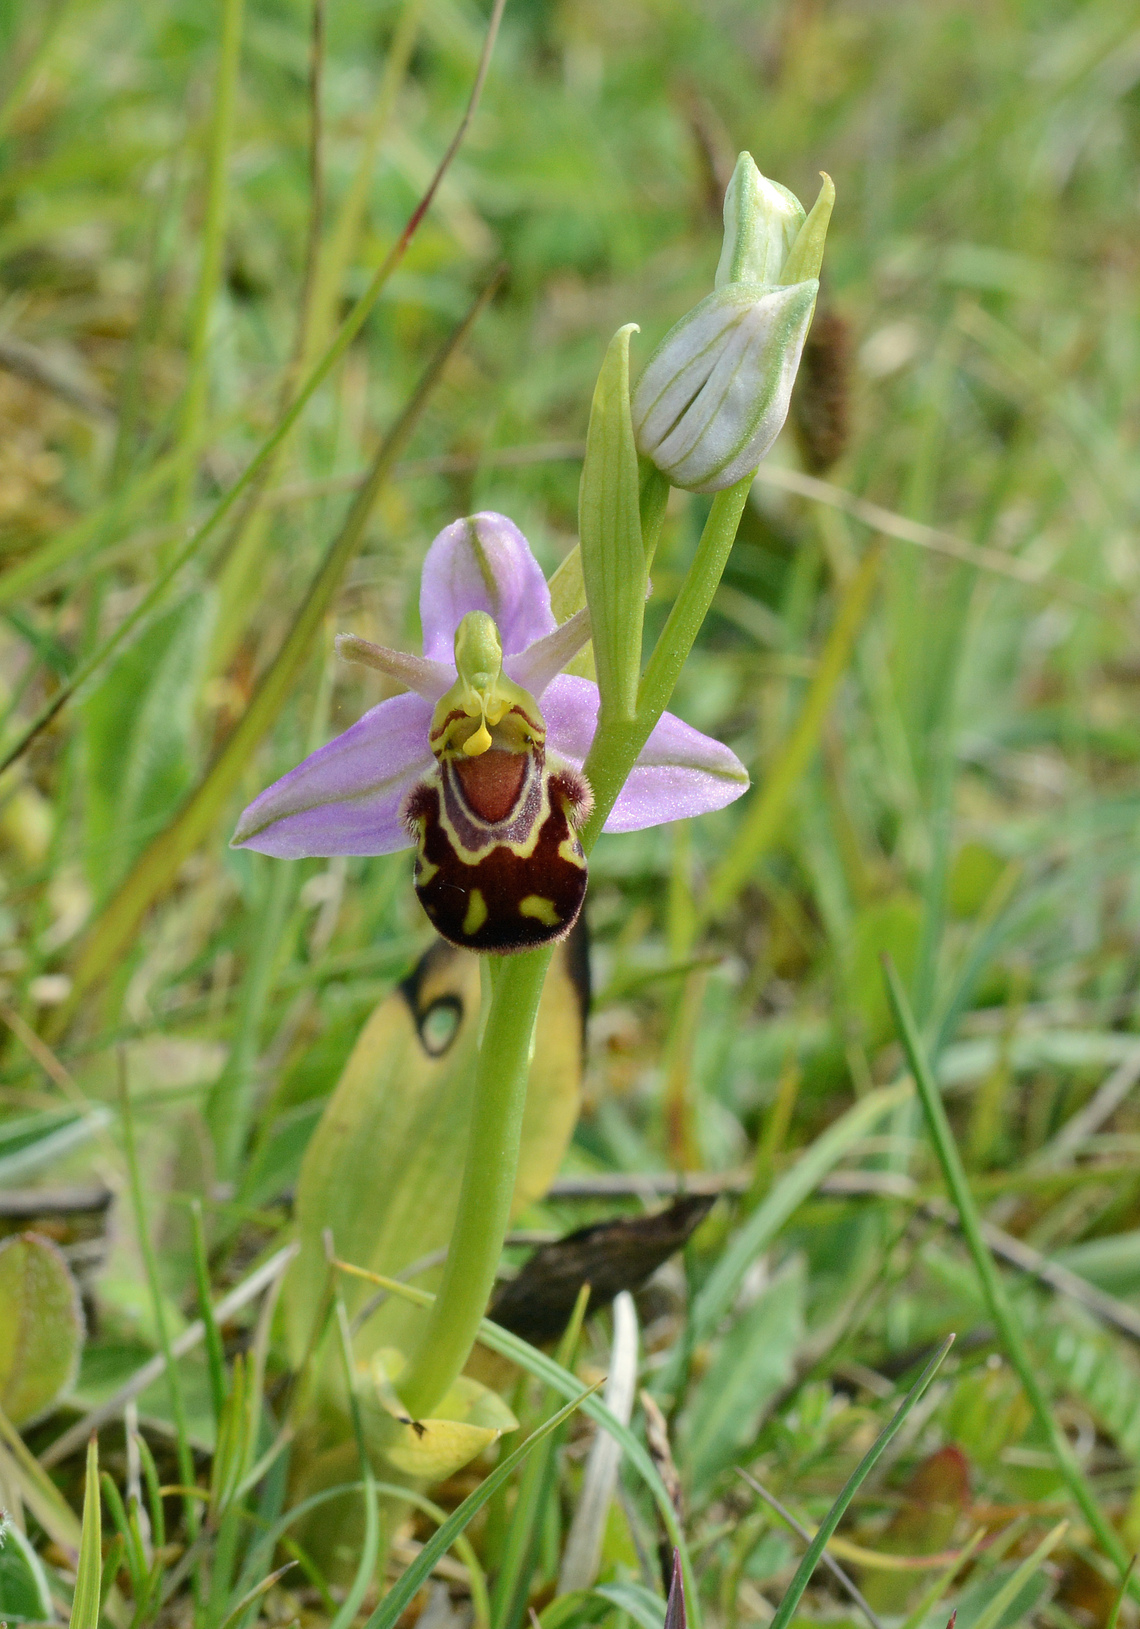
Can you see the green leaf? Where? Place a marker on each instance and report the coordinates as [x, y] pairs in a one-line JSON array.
[[41, 1326], [29, 1141], [609, 524], [24, 1590], [89, 1577], [752, 1365], [585, 1606]]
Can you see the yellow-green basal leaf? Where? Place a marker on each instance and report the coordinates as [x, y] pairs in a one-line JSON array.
[[41, 1326]]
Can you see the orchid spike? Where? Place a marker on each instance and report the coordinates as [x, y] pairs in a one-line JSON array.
[[479, 762]]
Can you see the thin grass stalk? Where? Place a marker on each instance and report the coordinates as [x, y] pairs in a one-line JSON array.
[[230, 1106], [114, 929], [512, 1583], [859, 1475], [337, 256], [761, 824], [930, 1597], [241, 551], [993, 1291], [190, 429], [348, 332], [215, 1354], [829, 1561], [370, 1549]]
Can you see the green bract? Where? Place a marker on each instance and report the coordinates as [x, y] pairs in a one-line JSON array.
[[715, 393]]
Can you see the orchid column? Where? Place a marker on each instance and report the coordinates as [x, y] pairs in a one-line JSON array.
[[500, 768]]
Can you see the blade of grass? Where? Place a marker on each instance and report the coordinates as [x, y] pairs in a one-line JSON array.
[[190, 429], [215, 1355], [545, 1368], [345, 235], [89, 1575], [761, 825], [830, 1522], [370, 1549], [255, 1594], [997, 1302], [113, 930], [1114, 1616], [403, 1591], [941, 1584], [828, 1559], [512, 1585], [1008, 1593]]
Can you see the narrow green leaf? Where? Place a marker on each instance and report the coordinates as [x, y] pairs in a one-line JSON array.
[[402, 1592], [769, 805], [830, 1522], [255, 1594], [89, 1577], [215, 1354], [1000, 1310], [609, 524], [370, 1549], [1015, 1583]]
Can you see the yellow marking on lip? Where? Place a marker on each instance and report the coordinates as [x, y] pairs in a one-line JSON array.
[[476, 913], [570, 851], [541, 909], [425, 871]]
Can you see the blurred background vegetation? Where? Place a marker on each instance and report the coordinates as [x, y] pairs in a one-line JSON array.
[[966, 794]]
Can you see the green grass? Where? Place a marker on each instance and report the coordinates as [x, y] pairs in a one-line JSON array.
[[946, 762]]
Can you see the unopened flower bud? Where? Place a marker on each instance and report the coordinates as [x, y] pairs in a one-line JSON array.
[[715, 394]]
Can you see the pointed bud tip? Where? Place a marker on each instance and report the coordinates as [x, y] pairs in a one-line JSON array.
[[675, 1615]]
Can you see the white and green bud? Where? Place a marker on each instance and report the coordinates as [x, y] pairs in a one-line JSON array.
[[715, 393]]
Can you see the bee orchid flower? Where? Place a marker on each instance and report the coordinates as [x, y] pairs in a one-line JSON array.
[[478, 764]]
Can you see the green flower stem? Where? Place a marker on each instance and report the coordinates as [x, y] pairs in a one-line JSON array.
[[488, 1180], [618, 742]]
